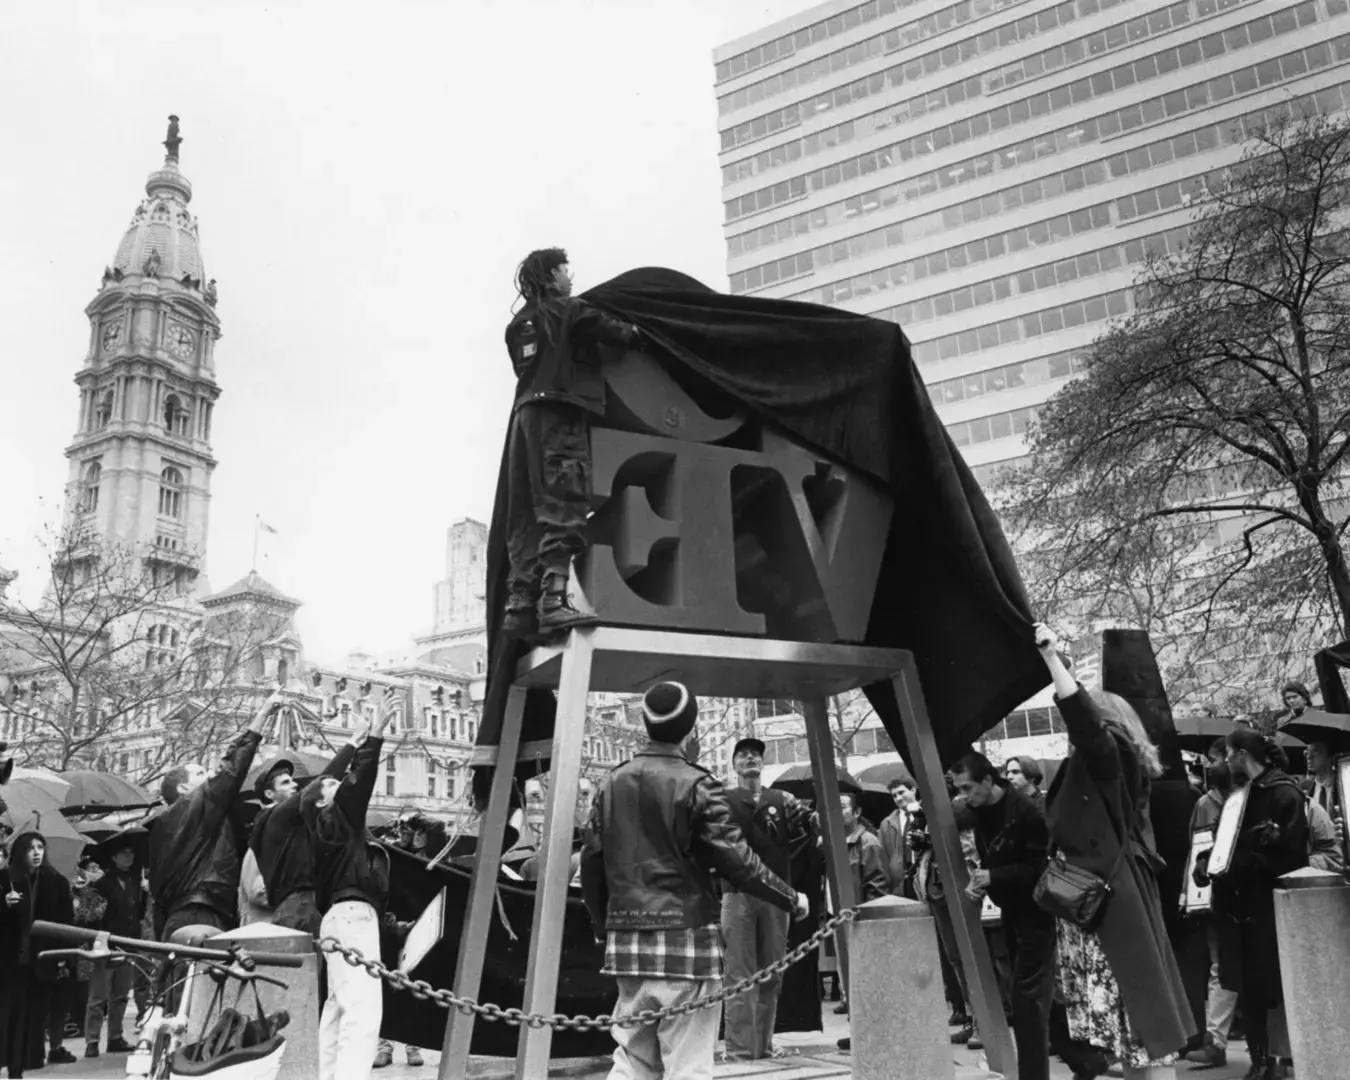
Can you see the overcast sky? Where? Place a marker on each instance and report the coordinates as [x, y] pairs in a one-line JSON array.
[[366, 178]]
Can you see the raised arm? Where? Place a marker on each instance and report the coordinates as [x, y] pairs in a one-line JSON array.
[[591, 324], [1087, 730], [353, 796]]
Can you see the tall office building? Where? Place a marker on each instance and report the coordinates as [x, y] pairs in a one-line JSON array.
[[989, 173]]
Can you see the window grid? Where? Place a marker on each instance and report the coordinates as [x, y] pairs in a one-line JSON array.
[[983, 429], [979, 384], [1047, 275], [170, 493], [1199, 140], [1038, 106], [1120, 35], [881, 44], [93, 472], [1093, 309], [1183, 192]]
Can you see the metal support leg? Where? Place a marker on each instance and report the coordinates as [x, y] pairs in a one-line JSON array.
[[970, 940], [482, 889], [550, 903], [826, 778]]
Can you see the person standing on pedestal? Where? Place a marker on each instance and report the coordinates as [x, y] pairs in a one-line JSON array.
[[552, 342], [755, 930], [351, 876], [659, 830], [1012, 839], [1122, 988]]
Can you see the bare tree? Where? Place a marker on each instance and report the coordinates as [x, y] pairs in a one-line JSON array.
[[1191, 481], [113, 655]]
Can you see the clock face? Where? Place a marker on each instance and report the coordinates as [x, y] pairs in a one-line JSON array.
[[181, 341], [112, 334]]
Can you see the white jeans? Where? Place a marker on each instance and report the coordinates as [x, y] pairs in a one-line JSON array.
[[349, 1028], [677, 1049]]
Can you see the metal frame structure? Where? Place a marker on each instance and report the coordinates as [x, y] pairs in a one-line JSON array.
[[628, 660]]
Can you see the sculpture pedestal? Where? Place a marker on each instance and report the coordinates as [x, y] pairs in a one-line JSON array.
[[896, 1009], [1312, 917]]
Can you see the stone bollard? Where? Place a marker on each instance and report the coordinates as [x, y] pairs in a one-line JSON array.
[[1312, 918], [897, 1015], [300, 998]]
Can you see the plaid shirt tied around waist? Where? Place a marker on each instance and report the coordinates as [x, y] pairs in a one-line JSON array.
[[681, 953]]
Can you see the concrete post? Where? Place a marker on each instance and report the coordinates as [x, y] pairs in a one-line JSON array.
[[1312, 918], [897, 1013], [300, 998]]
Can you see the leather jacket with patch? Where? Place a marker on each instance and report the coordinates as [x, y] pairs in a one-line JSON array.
[[659, 830]]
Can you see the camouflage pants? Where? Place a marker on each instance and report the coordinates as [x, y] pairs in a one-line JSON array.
[[549, 476]]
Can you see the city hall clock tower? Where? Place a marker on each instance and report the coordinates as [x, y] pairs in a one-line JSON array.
[[141, 460]]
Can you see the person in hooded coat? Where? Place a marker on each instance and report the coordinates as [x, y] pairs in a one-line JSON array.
[[1122, 987], [44, 894], [16, 916]]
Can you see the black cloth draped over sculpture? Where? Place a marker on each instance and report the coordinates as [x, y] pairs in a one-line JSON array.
[[845, 385]]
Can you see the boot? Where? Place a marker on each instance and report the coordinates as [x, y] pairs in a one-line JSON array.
[[557, 614]]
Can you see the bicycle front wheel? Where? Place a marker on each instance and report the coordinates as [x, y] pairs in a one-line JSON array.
[[161, 1056]]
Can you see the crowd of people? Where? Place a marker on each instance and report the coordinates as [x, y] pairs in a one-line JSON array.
[[1105, 992], [307, 862]]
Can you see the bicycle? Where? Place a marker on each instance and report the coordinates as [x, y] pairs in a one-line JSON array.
[[230, 1047]]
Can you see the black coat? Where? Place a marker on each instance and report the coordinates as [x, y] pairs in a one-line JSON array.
[[1273, 841], [772, 827], [194, 856], [659, 830], [349, 864], [1098, 801], [554, 354]]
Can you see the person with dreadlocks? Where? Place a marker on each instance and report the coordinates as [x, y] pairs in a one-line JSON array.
[[552, 342]]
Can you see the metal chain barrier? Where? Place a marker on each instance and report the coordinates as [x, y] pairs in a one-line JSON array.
[[448, 999]]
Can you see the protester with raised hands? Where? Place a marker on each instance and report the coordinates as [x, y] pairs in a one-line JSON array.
[[194, 857], [351, 877], [1121, 985]]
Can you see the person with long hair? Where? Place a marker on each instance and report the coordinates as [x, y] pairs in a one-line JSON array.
[[1272, 841], [43, 893], [1122, 988], [552, 342]]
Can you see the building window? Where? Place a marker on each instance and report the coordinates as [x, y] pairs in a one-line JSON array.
[[175, 416], [103, 412], [170, 493], [89, 484], [389, 785], [161, 644]]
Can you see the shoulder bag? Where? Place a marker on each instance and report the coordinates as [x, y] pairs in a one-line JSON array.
[[1073, 894]]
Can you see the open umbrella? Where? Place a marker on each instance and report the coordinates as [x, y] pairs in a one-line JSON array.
[[1324, 727], [94, 792], [97, 829], [1197, 733], [137, 838], [884, 773], [799, 782], [33, 801]]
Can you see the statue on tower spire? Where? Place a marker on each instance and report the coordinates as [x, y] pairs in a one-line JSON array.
[[173, 142]]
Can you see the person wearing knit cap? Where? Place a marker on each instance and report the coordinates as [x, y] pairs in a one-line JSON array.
[[660, 829]]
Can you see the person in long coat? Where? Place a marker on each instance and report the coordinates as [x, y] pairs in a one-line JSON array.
[[47, 895], [1122, 987], [16, 916], [1272, 841]]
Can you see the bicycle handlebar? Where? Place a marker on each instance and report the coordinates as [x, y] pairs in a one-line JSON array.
[[81, 935]]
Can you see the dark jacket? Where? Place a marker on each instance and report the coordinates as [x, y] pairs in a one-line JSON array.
[[867, 862], [555, 357], [349, 864], [1273, 840], [280, 841], [14, 926], [1098, 801], [772, 827], [895, 848], [126, 902], [194, 857], [1013, 841], [47, 895], [660, 828]]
